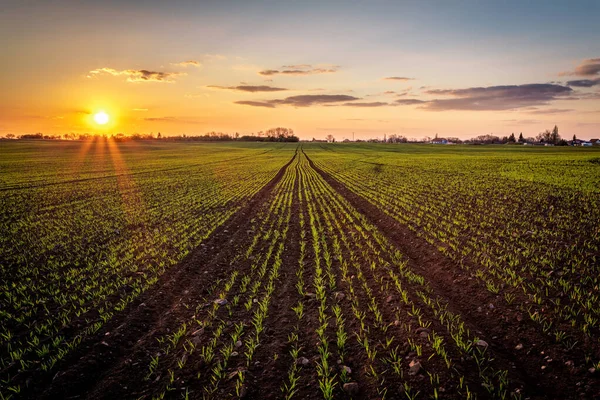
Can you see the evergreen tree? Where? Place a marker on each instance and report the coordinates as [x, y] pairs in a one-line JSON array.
[[555, 137], [521, 139]]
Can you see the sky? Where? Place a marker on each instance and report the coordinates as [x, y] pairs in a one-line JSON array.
[[413, 68]]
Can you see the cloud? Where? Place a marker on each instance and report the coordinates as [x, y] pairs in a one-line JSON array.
[[189, 63], [372, 104], [398, 78], [160, 119], [590, 67], [584, 82], [306, 100], [297, 66], [409, 102], [139, 109], [255, 103], [268, 72], [301, 69], [138, 75], [497, 97], [249, 88], [551, 111]]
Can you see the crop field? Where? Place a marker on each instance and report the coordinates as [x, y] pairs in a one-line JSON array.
[[151, 270]]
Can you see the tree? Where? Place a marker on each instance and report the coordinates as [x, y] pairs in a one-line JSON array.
[[159, 136], [521, 139], [555, 137], [330, 138], [511, 138], [10, 135], [544, 137], [574, 138]]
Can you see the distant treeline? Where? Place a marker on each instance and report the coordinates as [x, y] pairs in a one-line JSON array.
[[278, 134]]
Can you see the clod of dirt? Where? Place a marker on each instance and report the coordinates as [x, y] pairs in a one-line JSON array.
[[415, 367], [481, 344], [339, 296], [519, 347], [389, 299], [592, 370], [238, 344], [347, 369], [302, 361], [418, 331], [221, 302], [351, 388]]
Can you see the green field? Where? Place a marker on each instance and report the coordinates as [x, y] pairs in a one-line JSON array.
[[412, 271]]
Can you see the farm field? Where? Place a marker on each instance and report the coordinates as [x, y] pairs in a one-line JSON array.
[[298, 271]]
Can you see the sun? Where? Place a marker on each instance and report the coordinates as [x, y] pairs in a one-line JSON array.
[[101, 118]]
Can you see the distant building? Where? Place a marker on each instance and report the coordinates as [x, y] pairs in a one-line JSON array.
[[595, 142], [586, 144], [439, 141]]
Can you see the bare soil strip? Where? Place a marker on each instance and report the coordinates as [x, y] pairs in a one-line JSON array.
[[486, 314], [99, 367]]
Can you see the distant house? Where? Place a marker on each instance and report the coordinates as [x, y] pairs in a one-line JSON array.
[[595, 142], [440, 141], [586, 144]]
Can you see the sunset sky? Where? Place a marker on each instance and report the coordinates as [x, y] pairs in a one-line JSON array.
[[415, 68]]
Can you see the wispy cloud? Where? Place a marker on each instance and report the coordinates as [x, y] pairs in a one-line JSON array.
[[367, 105], [301, 69], [140, 109], [297, 66], [189, 63], [398, 78], [589, 67], [249, 88], [551, 111], [161, 119], [138, 75], [255, 103], [306, 100], [409, 102]]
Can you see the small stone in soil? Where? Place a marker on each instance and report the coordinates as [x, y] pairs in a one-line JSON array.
[[351, 388], [221, 302], [519, 347], [347, 369], [415, 367]]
